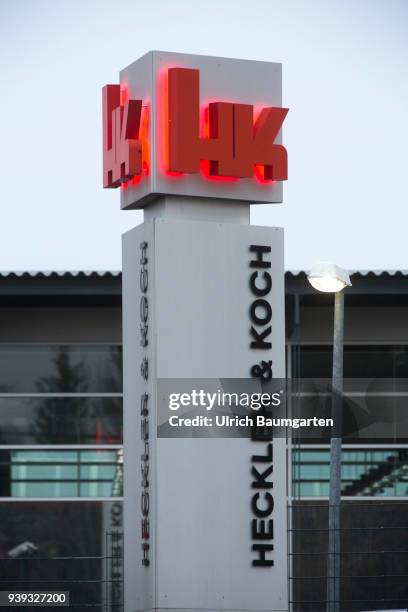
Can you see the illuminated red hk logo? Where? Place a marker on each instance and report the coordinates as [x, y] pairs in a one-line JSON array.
[[235, 145], [122, 150]]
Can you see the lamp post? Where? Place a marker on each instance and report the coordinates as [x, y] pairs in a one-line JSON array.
[[329, 278]]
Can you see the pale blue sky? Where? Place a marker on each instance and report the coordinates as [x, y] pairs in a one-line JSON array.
[[345, 65]]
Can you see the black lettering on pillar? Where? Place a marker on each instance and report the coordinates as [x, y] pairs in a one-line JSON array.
[[262, 550], [260, 333], [144, 406]]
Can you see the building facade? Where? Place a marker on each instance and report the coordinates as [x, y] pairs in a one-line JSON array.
[[61, 457]]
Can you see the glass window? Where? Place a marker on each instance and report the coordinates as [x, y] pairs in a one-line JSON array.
[[95, 489], [59, 473], [359, 361], [60, 368], [375, 385], [44, 489], [60, 395], [364, 472], [60, 420]]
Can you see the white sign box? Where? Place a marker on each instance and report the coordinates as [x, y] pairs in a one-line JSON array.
[[193, 125]]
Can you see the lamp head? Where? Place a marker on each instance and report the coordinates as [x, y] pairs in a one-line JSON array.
[[329, 278]]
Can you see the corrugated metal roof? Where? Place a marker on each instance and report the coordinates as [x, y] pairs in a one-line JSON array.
[[116, 273], [359, 272], [60, 273]]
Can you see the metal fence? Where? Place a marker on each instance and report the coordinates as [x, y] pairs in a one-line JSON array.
[[94, 583], [374, 562], [373, 553]]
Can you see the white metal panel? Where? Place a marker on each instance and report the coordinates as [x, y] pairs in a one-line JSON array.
[[201, 520]]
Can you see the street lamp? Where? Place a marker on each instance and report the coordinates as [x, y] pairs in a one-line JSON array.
[[329, 278]]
